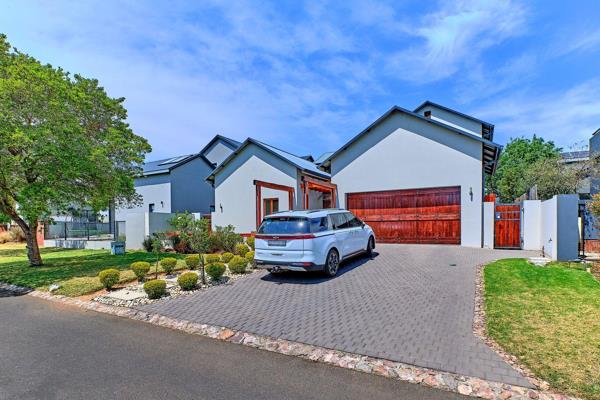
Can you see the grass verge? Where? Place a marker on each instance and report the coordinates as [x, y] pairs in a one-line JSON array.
[[550, 319]]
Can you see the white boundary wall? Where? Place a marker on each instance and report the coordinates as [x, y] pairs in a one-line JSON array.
[[488, 225], [140, 225]]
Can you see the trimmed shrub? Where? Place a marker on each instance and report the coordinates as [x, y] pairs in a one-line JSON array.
[[168, 264], [192, 261], [226, 257], [215, 270], [250, 258], [155, 288], [238, 265], [250, 242], [188, 281], [140, 269], [224, 238], [109, 277], [241, 249], [212, 258]]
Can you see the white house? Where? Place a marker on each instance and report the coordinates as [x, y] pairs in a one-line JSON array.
[[259, 179], [414, 176]]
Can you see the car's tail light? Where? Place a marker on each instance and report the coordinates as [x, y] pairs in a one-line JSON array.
[[285, 237], [301, 264]]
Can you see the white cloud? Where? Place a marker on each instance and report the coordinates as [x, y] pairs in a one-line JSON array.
[[455, 37], [566, 117]]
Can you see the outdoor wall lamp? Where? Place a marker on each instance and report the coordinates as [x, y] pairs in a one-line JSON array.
[[221, 207], [162, 204], [471, 193]]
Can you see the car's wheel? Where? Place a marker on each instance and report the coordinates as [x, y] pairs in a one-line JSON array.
[[370, 247], [332, 263]]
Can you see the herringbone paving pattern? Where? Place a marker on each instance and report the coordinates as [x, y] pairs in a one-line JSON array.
[[410, 303]]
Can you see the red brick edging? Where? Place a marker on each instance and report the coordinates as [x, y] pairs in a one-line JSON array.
[[465, 385]]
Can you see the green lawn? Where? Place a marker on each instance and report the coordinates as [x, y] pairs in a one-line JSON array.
[[550, 319], [63, 265]]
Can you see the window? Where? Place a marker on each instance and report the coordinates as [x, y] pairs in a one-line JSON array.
[[354, 222], [271, 206], [151, 207], [319, 224], [339, 221], [427, 114], [284, 226]]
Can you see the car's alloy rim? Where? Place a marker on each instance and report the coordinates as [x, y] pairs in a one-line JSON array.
[[333, 263]]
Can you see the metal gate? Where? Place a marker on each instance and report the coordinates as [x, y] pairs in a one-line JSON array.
[[507, 226]]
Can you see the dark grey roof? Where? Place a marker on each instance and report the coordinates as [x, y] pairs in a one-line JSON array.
[[299, 162], [491, 150], [234, 144], [323, 157], [431, 103], [575, 155], [164, 165]]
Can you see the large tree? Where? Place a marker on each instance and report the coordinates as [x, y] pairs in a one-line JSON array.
[[511, 179], [63, 142]]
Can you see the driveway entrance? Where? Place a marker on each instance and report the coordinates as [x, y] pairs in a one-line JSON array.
[[410, 303]]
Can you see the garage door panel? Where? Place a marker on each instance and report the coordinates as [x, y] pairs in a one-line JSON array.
[[411, 216]]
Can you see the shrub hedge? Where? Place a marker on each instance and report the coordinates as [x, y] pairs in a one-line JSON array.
[[155, 289], [212, 258], [109, 277], [241, 249], [250, 242], [140, 269], [168, 264], [215, 270], [238, 265], [188, 280], [192, 261], [250, 258], [226, 257]]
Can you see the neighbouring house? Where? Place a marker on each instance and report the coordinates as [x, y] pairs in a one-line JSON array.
[[418, 176], [258, 179], [414, 176]]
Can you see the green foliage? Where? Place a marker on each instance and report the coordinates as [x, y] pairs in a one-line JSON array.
[[250, 258], [198, 235], [4, 219], [250, 242], [109, 277], [64, 141], [509, 181], [168, 264], [140, 269], [241, 249], [192, 261], [147, 244], [211, 258], [238, 265], [155, 288], [226, 257], [552, 177], [182, 222], [215, 270], [188, 280], [224, 239]]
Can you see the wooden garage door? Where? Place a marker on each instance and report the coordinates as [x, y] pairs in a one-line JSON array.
[[410, 216]]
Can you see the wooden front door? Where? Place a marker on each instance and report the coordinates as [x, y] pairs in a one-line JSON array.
[[507, 226], [429, 215]]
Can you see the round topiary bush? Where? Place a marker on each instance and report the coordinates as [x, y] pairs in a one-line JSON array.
[[192, 261], [226, 257], [155, 289], [212, 258], [188, 280], [250, 242], [168, 264], [140, 269], [238, 265], [215, 270], [241, 249], [109, 277], [250, 258]]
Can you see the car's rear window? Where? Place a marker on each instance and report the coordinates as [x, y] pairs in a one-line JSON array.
[[293, 225], [284, 226]]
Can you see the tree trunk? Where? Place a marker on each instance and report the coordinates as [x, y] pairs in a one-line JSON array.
[[33, 249]]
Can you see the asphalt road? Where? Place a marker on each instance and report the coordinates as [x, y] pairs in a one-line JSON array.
[[52, 351]]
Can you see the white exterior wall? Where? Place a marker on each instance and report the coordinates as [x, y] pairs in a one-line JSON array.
[[531, 222], [406, 153], [235, 193], [488, 224], [453, 120], [150, 194], [142, 224], [282, 196], [217, 153]]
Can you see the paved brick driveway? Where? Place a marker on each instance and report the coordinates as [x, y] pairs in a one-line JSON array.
[[411, 303]]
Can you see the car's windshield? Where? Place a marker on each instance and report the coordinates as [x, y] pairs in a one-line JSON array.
[[293, 225]]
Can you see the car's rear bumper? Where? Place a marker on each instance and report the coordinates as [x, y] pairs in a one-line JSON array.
[[288, 266]]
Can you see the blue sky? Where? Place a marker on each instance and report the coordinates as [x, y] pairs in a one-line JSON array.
[[308, 76]]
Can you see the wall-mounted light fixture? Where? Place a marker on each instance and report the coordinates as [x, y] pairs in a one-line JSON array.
[[471, 193], [162, 204], [221, 207]]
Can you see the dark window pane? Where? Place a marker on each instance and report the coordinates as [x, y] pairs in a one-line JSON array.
[[354, 222], [319, 225], [340, 221], [284, 226]]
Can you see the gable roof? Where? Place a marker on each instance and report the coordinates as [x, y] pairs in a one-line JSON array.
[[450, 110], [491, 150], [298, 162], [233, 144]]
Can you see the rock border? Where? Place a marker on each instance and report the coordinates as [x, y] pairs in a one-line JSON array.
[[480, 330], [465, 385]]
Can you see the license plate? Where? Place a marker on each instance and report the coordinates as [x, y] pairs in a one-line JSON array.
[[277, 243]]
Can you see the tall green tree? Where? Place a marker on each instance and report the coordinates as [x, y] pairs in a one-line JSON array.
[[63, 142], [510, 180]]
